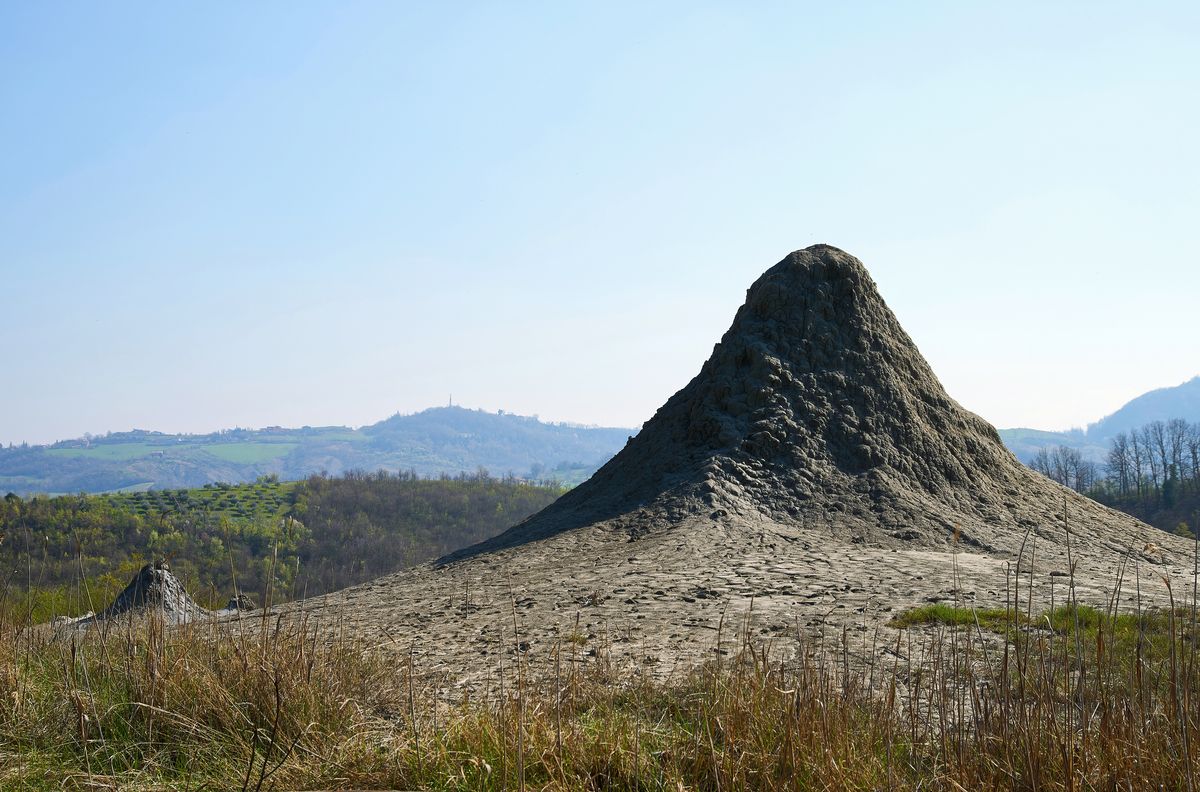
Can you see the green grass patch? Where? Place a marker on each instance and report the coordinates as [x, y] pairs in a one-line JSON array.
[[995, 620], [1125, 635], [1122, 636]]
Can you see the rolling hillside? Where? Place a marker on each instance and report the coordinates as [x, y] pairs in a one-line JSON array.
[[447, 440]]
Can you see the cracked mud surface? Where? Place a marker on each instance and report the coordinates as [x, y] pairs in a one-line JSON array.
[[660, 602]]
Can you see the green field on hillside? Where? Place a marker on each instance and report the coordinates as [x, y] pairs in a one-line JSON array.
[[249, 453], [243, 453], [118, 452]]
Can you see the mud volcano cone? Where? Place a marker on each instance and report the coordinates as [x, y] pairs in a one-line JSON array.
[[154, 587], [816, 409], [814, 477]]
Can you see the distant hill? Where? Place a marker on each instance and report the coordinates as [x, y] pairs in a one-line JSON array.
[[448, 440], [1163, 404]]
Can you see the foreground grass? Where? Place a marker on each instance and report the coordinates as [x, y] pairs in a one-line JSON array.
[[281, 706], [145, 709]]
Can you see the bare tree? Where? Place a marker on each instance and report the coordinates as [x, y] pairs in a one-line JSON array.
[[1086, 475], [1137, 455], [1119, 462], [1066, 466], [1177, 432], [1066, 463], [1152, 457], [1193, 444], [1160, 446], [1041, 462]]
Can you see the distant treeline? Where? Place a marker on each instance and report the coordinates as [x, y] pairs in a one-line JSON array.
[[1152, 472], [362, 525], [71, 554]]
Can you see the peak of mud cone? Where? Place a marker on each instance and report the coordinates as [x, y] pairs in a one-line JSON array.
[[815, 408]]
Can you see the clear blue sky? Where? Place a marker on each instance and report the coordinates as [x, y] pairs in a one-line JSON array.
[[313, 213]]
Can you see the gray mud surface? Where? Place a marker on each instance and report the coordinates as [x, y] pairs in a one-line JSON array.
[[814, 476]]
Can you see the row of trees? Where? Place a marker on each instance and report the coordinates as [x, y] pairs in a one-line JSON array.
[[71, 554], [67, 555], [1152, 472], [1068, 467], [363, 525], [1155, 460]]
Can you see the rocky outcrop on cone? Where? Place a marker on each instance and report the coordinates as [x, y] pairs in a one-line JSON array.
[[816, 408]]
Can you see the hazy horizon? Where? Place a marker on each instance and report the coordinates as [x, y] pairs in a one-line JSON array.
[[545, 419], [215, 429], [306, 214]]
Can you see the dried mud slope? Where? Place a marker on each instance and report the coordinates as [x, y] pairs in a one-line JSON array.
[[814, 466]]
